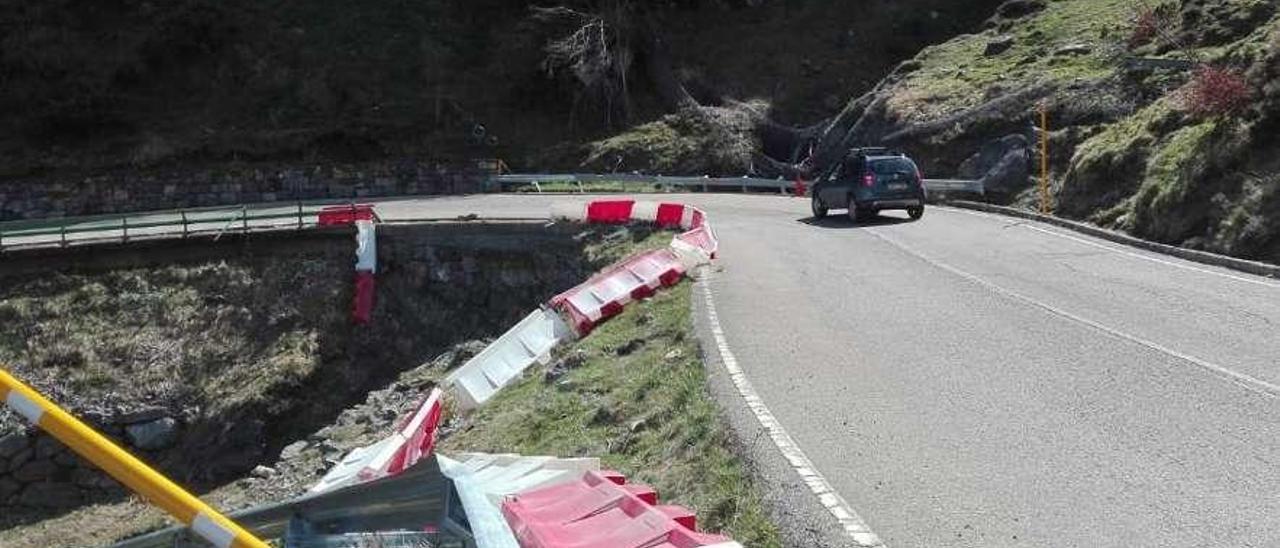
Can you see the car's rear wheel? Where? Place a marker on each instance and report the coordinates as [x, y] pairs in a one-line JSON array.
[[819, 210], [915, 212]]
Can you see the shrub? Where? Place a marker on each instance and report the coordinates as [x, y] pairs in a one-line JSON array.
[[1145, 25], [1216, 91]]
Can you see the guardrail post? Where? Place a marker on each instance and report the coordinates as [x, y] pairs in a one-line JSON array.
[[62, 235], [244, 219], [184, 223], [124, 229], [299, 214], [127, 469]]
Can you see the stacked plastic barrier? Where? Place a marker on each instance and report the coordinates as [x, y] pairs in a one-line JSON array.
[[413, 440], [482, 481], [363, 217], [601, 510]]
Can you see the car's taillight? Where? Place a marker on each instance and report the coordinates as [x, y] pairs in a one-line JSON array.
[[869, 179]]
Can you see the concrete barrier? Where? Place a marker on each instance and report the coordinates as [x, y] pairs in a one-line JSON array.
[[1203, 257]]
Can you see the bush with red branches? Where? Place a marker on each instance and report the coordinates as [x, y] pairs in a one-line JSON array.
[[1146, 23], [1216, 91]]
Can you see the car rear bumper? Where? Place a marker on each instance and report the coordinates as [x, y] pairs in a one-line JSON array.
[[892, 204]]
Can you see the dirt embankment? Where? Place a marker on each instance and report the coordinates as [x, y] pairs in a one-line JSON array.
[[209, 360]]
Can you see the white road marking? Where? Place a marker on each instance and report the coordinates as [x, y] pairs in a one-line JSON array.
[[1122, 251], [827, 495], [1249, 382]]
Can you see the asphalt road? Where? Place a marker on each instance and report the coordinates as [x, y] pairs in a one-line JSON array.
[[973, 380]]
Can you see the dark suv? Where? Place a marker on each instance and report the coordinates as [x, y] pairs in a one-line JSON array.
[[870, 180]]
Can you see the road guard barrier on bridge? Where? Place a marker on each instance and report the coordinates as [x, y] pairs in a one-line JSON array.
[[601, 510], [505, 359], [362, 216], [125, 468], [605, 294], [482, 481], [413, 440]]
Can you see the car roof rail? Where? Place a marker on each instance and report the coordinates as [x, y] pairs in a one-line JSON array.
[[874, 151]]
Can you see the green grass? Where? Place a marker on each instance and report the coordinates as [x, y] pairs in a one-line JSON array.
[[638, 400], [955, 75]]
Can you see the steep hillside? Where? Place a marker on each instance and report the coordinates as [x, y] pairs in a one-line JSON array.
[[137, 85], [1181, 150]]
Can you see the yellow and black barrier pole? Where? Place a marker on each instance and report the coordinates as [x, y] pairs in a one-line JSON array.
[[125, 468]]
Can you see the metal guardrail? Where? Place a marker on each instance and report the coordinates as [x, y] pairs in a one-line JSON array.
[[183, 222], [579, 181], [417, 497]]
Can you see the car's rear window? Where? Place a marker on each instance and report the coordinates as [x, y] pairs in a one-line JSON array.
[[893, 165]]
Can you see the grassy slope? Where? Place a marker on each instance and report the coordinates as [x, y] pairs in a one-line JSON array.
[[955, 75], [1125, 154], [636, 396]]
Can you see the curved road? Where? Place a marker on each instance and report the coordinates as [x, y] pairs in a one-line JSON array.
[[974, 380]]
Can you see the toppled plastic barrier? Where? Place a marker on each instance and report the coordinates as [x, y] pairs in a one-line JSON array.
[[529, 341], [413, 440], [482, 481], [601, 510]]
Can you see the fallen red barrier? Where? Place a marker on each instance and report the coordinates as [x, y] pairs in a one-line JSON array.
[[419, 433], [602, 511]]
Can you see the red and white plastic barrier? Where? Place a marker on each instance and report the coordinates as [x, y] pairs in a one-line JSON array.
[[594, 301], [603, 296], [413, 440], [363, 217], [601, 510], [345, 215]]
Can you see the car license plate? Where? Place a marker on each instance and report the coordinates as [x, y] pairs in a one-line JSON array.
[[898, 186]]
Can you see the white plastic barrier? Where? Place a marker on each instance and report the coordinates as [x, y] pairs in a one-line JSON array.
[[529, 341], [366, 247], [482, 481], [413, 440]]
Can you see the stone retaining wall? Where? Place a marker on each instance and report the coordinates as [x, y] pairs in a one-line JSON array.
[[130, 191], [38, 471]]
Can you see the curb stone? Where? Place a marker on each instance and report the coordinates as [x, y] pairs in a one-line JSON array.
[[1203, 257]]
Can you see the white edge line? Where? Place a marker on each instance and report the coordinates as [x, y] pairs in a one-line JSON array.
[[1122, 251], [850, 521], [1246, 381]]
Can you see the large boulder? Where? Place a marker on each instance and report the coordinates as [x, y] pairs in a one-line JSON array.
[[152, 435], [1003, 165]]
